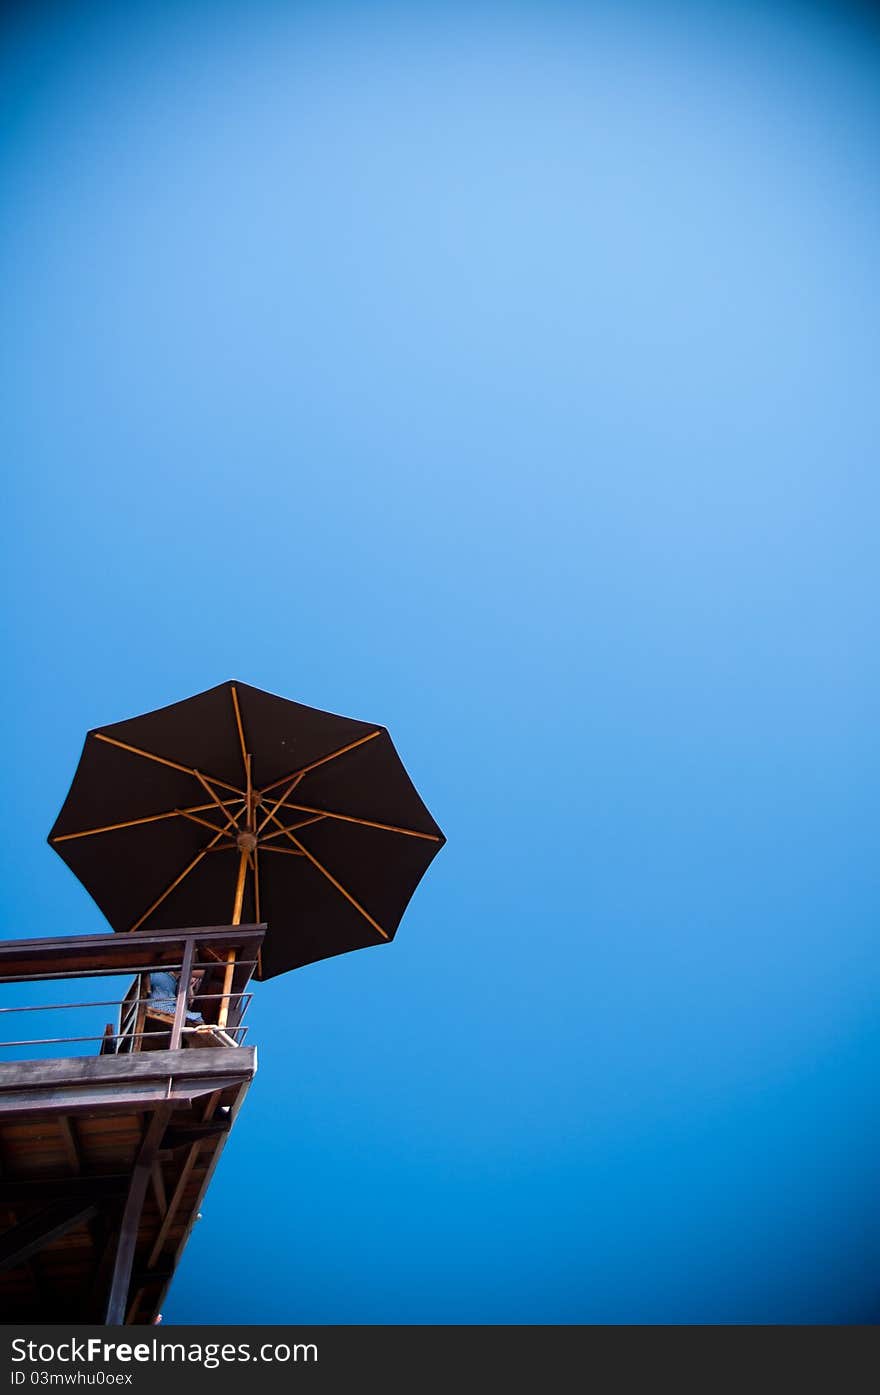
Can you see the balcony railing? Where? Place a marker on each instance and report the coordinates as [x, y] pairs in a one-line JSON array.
[[205, 972]]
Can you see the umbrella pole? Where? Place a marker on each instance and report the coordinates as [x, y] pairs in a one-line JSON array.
[[239, 888], [250, 818], [223, 1014], [227, 989]]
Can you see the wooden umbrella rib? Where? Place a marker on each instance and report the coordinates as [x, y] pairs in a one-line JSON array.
[[204, 783], [133, 823], [162, 760], [234, 692], [323, 760], [177, 880], [290, 828], [280, 800], [185, 873], [288, 852], [205, 823], [367, 823], [339, 887]]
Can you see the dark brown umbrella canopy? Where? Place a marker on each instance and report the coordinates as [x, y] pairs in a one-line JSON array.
[[326, 839]]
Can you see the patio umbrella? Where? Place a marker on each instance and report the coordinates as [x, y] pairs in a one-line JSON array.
[[237, 806]]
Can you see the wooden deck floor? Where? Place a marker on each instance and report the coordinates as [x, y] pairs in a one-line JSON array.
[[102, 1153]]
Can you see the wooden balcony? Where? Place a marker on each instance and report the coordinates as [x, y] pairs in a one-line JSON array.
[[105, 1156]]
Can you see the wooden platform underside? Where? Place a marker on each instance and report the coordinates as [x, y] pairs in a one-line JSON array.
[[101, 1157]]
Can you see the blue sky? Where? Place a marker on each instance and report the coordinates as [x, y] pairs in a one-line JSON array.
[[504, 374]]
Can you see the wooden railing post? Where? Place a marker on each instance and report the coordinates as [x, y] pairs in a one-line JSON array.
[[182, 992], [227, 989], [142, 983]]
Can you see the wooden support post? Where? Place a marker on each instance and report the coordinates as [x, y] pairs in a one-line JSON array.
[[173, 1205], [158, 1178], [104, 1237], [135, 1304], [131, 1216], [183, 1179]]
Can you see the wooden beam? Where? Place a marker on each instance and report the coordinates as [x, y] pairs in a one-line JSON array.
[[142, 1278], [134, 1305], [120, 1070], [183, 1179], [157, 1177], [67, 1129], [173, 1205], [131, 1216], [182, 1135], [17, 1191], [105, 1232], [55, 1220], [155, 1303], [141, 1281], [113, 1101], [30, 1266], [200, 1127]]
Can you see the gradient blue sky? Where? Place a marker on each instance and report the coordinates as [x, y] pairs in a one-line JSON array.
[[505, 374]]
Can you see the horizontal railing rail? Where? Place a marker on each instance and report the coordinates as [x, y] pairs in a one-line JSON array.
[[238, 1031], [114, 972], [111, 1002], [210, 967]]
